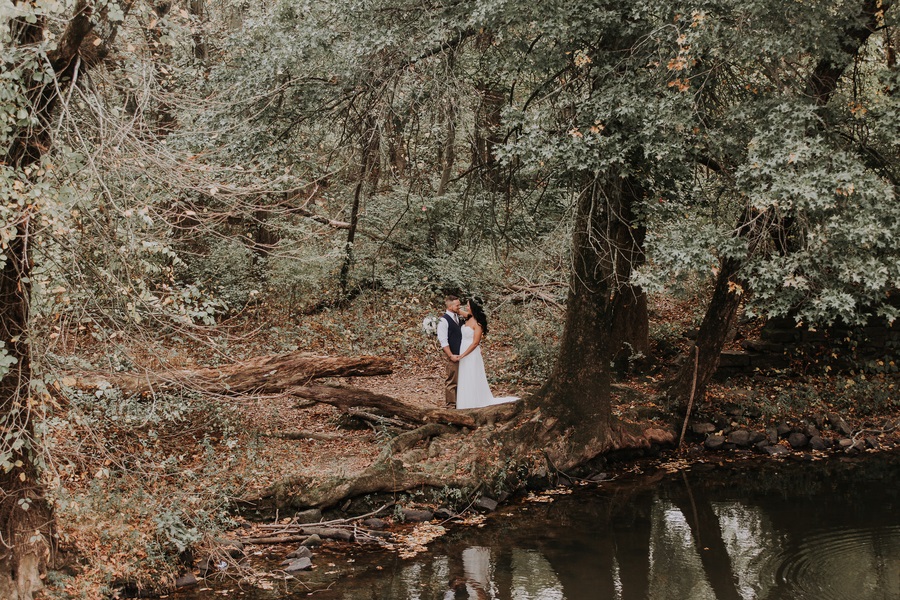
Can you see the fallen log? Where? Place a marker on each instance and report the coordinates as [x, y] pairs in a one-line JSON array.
[[333, 523], [259, 375], [346, 398], [311, 435], [374, 420]]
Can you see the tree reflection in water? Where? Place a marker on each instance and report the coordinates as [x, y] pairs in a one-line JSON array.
[[764, 533]]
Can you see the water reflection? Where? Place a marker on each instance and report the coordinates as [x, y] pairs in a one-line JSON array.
[[770, 533]]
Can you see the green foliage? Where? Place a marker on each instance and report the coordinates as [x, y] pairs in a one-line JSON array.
[[163, 480], [177, 190]]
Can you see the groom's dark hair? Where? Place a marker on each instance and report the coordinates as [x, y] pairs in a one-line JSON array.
[[450, 298]]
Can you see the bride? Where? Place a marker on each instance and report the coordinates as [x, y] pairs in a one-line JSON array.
[[473, 390]]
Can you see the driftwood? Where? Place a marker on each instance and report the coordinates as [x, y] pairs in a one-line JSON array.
[[261, 375], [349, 521], [407, 440], [276, 539], [346, 398], [299, 533]]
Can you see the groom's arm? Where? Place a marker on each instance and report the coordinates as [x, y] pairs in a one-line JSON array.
[[443, 338]]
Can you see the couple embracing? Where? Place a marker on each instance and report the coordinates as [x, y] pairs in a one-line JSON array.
[[460, 331]]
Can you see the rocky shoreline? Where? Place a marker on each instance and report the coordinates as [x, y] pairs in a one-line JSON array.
[[828, 432]]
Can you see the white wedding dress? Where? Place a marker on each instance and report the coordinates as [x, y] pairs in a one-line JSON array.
[[472, 390]]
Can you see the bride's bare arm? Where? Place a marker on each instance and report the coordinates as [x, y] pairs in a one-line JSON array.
[[475, 341]]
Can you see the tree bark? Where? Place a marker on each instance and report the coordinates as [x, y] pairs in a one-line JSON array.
[[161, 56], [369, 173], [630, 333], [448, 156], [578, 389], [488, 119], [272, 374], [351, 238], [26, 519], [718, 320]]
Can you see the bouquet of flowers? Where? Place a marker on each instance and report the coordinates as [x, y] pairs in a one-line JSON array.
[[429, 325]]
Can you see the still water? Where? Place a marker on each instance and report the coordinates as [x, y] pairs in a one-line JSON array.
[[787, 530]]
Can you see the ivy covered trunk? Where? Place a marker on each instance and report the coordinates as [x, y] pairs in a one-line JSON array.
[[25, 517]]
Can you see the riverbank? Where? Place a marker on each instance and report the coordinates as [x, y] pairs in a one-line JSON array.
[[145, 488], [577, 520]]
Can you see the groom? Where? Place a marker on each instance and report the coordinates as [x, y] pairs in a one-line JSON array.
[[450, 337]]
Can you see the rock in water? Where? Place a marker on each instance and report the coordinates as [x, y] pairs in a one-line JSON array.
[[300, 564], [741, 438], [301, 552], [486, 504], [411, 515], [714, 442], [797, 440]]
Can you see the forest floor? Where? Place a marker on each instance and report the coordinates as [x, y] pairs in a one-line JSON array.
[[135, 483]]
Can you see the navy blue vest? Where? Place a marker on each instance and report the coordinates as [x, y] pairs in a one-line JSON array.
[[454, 334]]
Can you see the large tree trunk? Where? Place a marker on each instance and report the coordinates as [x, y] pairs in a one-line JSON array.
[[630, 328], [578, 390], [604, 311], [26, 519]]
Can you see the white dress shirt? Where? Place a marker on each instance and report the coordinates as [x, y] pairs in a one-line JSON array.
[[442, 328]]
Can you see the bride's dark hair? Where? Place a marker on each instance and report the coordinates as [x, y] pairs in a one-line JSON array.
[[479, 315]]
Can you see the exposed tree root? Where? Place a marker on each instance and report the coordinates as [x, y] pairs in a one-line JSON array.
[[259, 375], [407, 440], [345, 398], [506, 456], [375, 421]]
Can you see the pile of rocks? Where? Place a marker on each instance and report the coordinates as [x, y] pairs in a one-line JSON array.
[[838, 436]]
